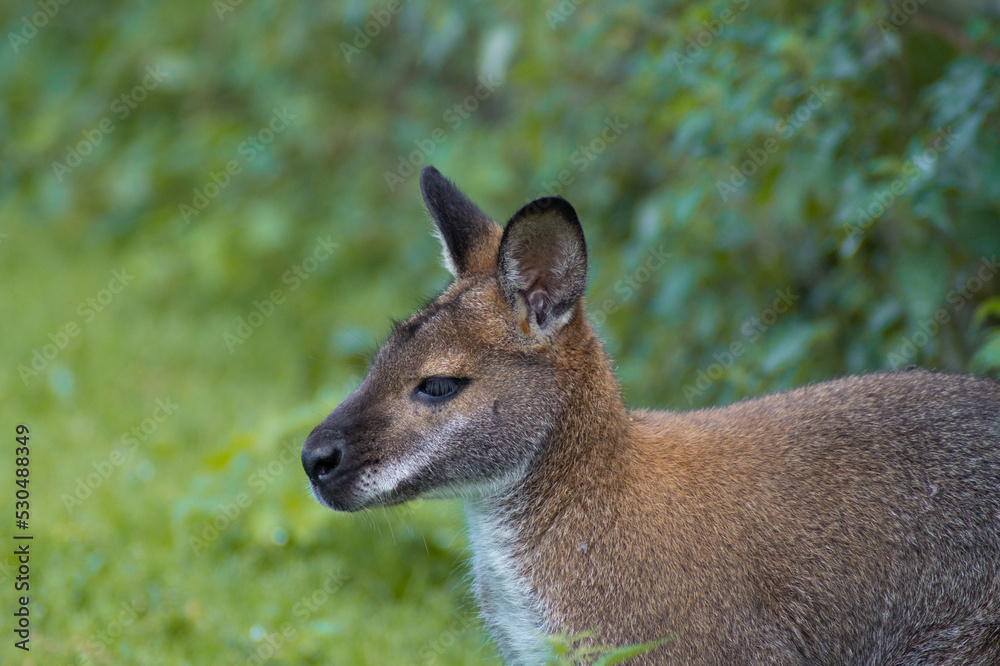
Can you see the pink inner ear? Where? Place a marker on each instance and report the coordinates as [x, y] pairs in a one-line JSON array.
[[539, 303], [540, 283], [536, 280]]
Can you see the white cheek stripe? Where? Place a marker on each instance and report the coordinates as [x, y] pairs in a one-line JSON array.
[[388, 477]]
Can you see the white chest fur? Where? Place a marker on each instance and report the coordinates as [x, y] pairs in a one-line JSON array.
[[513, 614]]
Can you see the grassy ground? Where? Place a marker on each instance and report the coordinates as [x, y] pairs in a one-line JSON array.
[[170, 514]]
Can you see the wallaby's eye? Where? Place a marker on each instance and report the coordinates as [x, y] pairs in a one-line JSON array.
[[434, 389]]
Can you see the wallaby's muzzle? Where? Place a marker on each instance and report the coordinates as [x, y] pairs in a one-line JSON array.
[[344, 456], [322, 455]]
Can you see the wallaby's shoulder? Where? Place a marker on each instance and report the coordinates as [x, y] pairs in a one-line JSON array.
[[854, 394], [834, 412]]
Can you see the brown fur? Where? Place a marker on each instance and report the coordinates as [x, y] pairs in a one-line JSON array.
[[851, 522]]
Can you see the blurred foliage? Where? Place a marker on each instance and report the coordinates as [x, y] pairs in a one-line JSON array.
[[773, 193]]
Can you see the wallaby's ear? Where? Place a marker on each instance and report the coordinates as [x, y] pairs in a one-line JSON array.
[[468, 237], [542, 264]]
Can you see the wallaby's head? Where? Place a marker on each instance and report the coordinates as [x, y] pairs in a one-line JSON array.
[[461, 397]]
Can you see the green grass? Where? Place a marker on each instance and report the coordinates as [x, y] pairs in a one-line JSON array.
[[115, 577]]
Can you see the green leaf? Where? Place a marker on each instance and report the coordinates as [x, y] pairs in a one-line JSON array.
[[987, 357], [921, 277], [988, 308], [621, 654]]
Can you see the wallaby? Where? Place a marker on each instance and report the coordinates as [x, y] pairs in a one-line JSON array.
[[855, 521]]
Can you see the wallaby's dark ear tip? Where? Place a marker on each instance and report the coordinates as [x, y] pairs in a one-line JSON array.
[[464, 229], [436, 189], [441, 195], [556, 205], [542, 263], [429, 177]]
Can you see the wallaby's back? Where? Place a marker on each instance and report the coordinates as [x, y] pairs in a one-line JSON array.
[[855, 521]]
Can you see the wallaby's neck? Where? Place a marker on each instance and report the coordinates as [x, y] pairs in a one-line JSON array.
[[585, 458], [588, 450]]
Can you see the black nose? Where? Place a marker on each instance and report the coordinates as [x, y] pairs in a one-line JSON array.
[[321, 454]]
